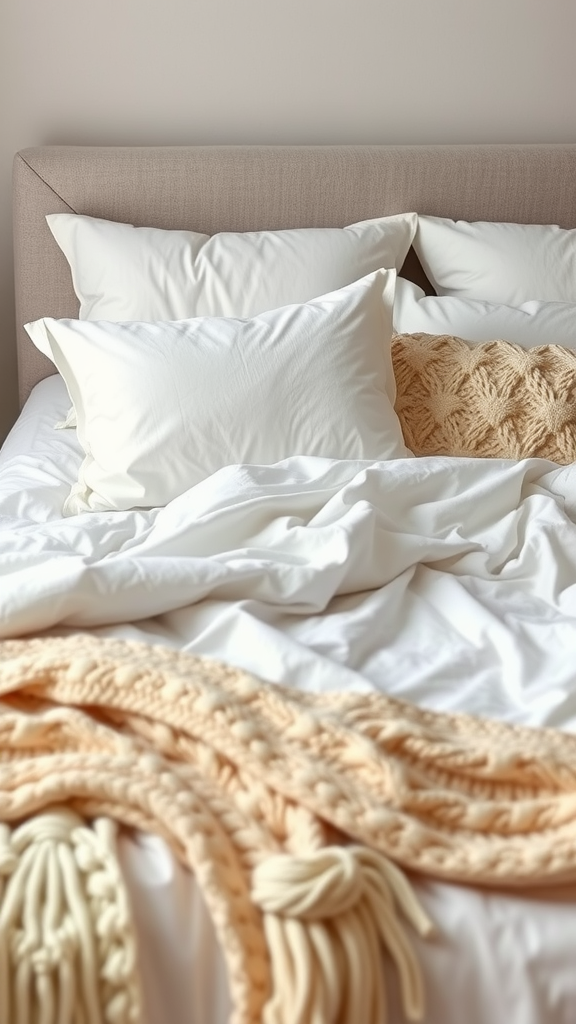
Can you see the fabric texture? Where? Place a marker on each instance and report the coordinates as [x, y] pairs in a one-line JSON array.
[[162, 406], [256, 787], [121, 272], [531, 323], [498, 262], [494, 400]]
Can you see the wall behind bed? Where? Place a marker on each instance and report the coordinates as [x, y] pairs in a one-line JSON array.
[[278, 71]]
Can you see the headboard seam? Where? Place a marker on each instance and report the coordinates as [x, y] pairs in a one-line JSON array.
[[43, 180]]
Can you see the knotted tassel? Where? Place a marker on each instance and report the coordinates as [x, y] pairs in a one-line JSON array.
[[67, 947], [326, 918]]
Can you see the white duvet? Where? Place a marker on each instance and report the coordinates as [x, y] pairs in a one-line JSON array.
[[451, 583]]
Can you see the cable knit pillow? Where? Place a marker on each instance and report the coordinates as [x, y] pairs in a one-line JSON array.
[[492, 399]]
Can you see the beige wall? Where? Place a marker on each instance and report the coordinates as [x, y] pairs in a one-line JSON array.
[[325, 71]]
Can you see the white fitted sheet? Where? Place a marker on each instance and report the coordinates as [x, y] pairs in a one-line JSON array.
[[280, 571]]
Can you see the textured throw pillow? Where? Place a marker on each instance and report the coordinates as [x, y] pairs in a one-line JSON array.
[[491, 399], [498, 262], [121, 272], [532, 323], [163, 405]]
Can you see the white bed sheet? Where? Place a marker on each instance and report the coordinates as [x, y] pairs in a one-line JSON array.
[[321, 575]]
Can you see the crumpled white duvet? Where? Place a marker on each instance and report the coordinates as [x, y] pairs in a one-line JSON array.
[[451, 582], [448, 582]]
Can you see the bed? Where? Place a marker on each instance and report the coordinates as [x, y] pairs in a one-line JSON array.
[[412, 536]]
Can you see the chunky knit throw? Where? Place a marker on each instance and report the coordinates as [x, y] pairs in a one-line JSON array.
[[492, 399], [290, 808]]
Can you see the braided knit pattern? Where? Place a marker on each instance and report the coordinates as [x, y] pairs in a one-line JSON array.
[[231, 771], [489, 400]]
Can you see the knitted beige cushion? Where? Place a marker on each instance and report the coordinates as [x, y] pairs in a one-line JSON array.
[[493, 399]]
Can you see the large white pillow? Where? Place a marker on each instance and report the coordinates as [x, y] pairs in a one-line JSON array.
[[121, 272], [498, 262], [162, 405], [530, 324]]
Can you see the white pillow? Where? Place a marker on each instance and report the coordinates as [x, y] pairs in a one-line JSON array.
[[163, 405], [531, 324], [505, 263], [121, 272]]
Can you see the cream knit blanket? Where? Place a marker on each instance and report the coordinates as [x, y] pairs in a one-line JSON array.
[[289, 807]]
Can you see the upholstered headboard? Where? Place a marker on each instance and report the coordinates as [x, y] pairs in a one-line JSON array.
[[240, 188]]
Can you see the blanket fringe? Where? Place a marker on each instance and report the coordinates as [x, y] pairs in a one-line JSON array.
[[326, 916], [67, 946]]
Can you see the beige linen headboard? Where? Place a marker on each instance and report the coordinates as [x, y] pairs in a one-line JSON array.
[[242, 188]]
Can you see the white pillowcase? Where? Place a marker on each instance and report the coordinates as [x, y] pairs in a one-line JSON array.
[[163, 405], [504, 263], [531, 324], [121, 272]]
